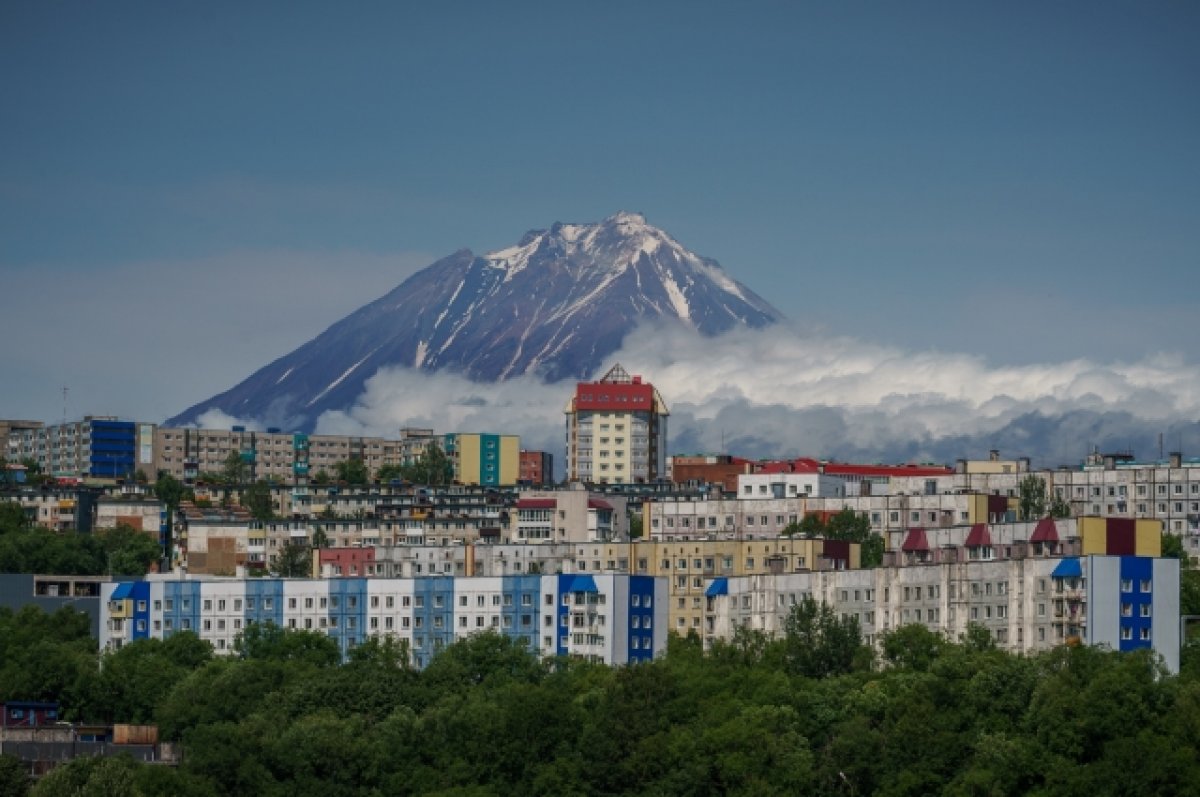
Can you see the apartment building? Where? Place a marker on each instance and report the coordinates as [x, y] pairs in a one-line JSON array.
[[489, 460], [536, 468], [574, 515], [616, 430], [609, 618], [97, 447], [1032, 586]]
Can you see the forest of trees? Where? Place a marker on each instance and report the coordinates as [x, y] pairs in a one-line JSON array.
[[812, 712]]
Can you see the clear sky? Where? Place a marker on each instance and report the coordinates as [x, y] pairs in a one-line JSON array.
[[189, 190]]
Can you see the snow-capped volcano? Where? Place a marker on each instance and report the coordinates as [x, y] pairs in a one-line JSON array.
[[555, 305]]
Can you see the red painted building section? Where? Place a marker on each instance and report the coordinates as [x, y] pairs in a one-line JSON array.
[[536, 468], [349, 561]]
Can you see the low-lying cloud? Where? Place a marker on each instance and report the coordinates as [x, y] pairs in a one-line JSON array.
[[781, 392]]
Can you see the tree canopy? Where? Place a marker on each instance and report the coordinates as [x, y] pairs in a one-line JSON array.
[[808, 712]]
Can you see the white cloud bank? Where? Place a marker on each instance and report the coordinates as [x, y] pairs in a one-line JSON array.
[[781, 392]]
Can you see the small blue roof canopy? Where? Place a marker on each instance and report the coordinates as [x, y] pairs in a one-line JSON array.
[[719, 586], [123, 592], [582, 584], [1068, 568]]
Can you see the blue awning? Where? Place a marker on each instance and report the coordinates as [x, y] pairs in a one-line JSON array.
[[719, 586], [582, 584], [123, 592], [1068, 568]]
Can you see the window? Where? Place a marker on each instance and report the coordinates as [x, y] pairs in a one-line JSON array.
[[1126, 585], [1145, 585], [1144, 610]]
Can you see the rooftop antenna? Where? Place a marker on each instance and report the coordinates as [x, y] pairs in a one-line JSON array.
[[65, 390]]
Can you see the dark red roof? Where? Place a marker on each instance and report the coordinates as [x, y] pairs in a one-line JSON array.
[[843, 469], [536, 503], [607, 397], [599, 503], [809, 465], [979, 536], [915, 541], [1046, 531]]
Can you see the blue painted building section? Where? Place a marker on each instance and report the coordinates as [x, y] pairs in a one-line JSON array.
[[264, 601], [1136, 602], [562, 600], [181, 607], [141, 609], [433, 617], [489, 459], [641, 618], [112, 449], [519, 609], [347, 616]]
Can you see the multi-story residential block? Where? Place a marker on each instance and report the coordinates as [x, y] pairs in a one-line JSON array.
[[611, 618], [726, 471], [272, 455], [616, 431], [98, 447], [537, 468], [491, 460], [574, 515], [767, 485], [58, 508], [23, 444], [1031, 585]]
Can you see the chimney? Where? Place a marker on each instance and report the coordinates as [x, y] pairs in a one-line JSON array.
[[994, 455], [960, 466], [1176, 459]]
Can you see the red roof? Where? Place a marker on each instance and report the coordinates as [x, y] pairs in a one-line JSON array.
[[844, 469], [979, 536], [536, 503], [915, 541], [810, 465], [1046, 531], [599, 503], [609, 397]]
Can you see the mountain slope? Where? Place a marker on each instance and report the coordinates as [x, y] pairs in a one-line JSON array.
[[555, 305]]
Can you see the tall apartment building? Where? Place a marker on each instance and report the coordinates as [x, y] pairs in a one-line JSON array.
[[491, 460], [97, 447], [616, 430]]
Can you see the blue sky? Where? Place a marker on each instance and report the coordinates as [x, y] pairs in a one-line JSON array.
[[190, 190]]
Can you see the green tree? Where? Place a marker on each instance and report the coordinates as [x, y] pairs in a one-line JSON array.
[[294, 560], [321, 477], [432, 467], [1031, 503], [818, 643], [1059, 508], [14, 776], [389, 473], [127, 551], [235, 470], [257, 499], [351, 471], [635, 526], [914, 647], [169, 490], [12, 517], [269, 642]]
